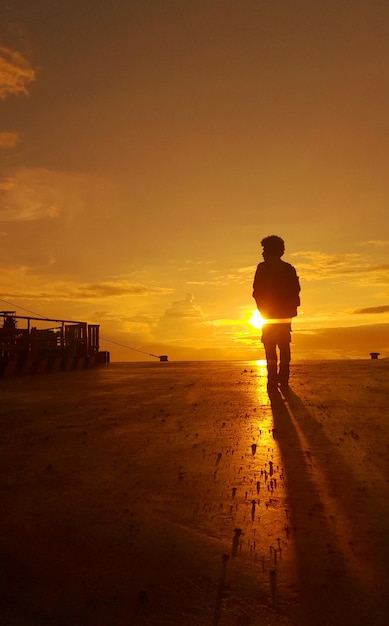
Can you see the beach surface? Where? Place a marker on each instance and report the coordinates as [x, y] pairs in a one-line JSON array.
[[181, 494]]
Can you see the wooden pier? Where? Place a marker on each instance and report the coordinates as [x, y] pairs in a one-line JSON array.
[[30, 345]]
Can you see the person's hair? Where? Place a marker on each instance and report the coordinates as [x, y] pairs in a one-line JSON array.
[[274, 245]]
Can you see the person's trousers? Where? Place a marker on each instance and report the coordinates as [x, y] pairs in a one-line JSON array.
[[277, 336]]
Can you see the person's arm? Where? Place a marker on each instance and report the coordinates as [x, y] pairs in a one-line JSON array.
[[256, 285], [297, 287]]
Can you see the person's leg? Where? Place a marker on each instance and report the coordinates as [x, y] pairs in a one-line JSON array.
[[271, 362], [269, 340], [283, 376], [284, 345]]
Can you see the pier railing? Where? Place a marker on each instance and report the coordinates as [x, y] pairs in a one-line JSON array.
[[34, 337]]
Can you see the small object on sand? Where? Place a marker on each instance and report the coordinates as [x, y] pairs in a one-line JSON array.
[[253, 448], [220, 590], [235, 541], [143, 600], [273, 585]]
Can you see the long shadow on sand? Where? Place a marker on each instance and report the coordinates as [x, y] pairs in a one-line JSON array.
[[335, 588]]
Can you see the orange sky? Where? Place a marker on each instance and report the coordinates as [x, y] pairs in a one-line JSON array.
[[146, 148]]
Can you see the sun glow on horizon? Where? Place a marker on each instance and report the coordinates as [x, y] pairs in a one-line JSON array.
[[256, 320]]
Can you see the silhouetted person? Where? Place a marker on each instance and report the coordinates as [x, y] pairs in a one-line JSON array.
[[276, 292]]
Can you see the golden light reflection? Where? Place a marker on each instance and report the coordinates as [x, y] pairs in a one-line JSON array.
[[256, 320], [261, 383]]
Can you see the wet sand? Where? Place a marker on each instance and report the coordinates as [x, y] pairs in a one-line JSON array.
[[181, 494]]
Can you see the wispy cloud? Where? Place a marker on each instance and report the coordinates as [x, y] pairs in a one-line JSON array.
[[88, 291], [38, 193], [223, 277], [185, 308], [9, 140], [16, 73], [373, 309], [379, 243], [380, 268], [346, 342], [314, 265], [110, 289], [6, 183], [182, 320]]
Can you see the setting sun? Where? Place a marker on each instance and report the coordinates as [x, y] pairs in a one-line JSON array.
[[256, 319]]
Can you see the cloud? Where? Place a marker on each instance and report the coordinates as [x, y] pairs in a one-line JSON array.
[[348, 342], [373, 309], [20, 266], [314, 265], [184, 309], [222, 280], [375, 275], [87, 291], [6, 184], [8, 140], [379, 243], [16, 74], [183, 320], [374, 268], [109, 289], [221, 277], [38, 193]]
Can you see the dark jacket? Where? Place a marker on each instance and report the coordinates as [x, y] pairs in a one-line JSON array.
[[276, 290]]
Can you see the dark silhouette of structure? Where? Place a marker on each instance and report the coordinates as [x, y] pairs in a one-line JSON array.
[[276, 292], [66, 345], [374, 355]]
